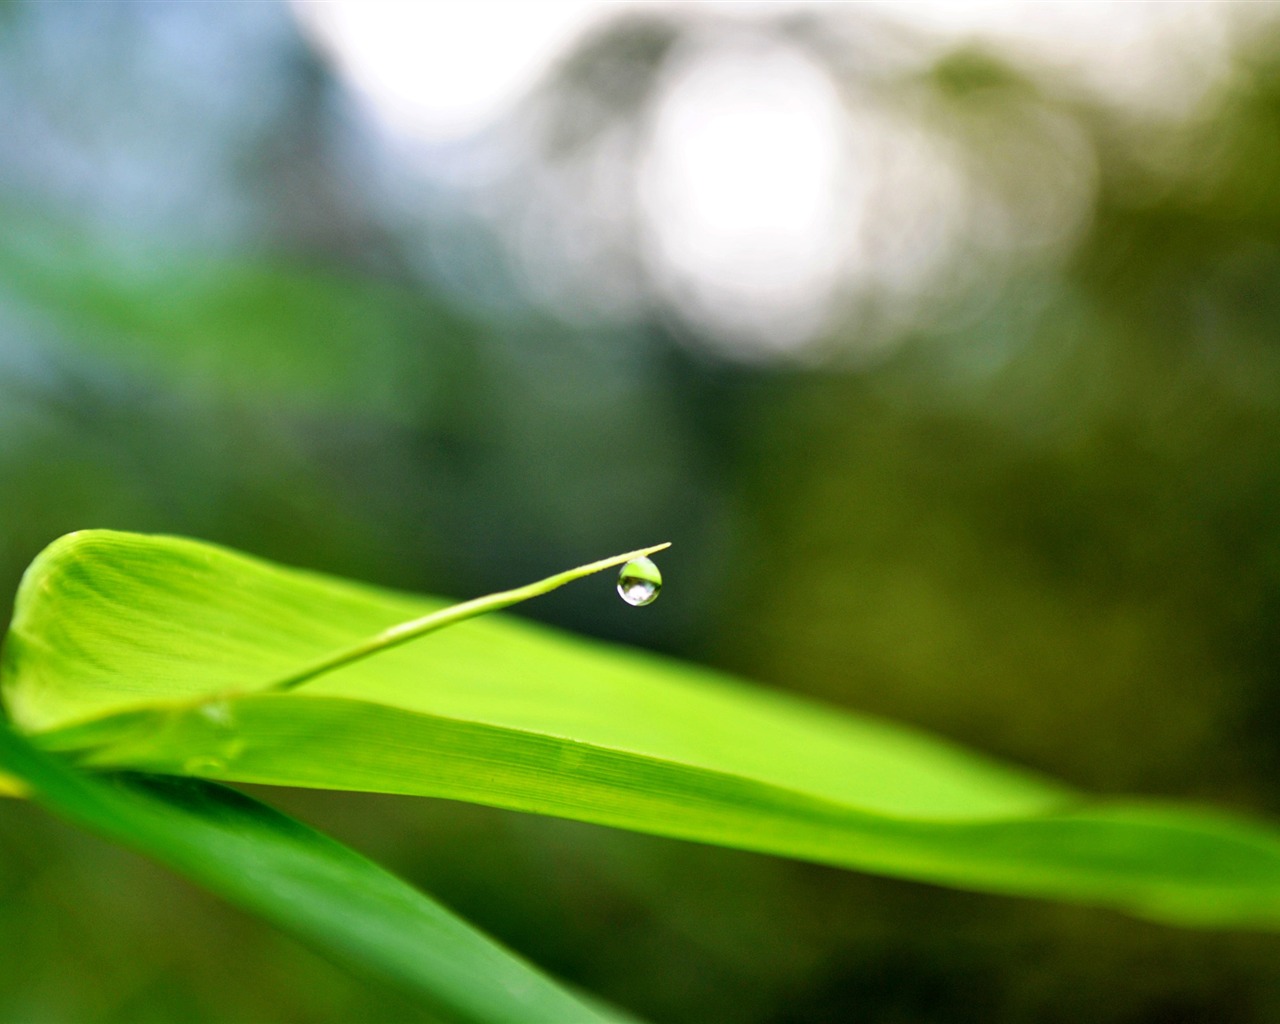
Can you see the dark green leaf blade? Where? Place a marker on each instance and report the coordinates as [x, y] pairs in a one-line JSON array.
[[324, 893]]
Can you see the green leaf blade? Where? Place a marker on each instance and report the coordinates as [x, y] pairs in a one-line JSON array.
[[106, 622], [124, 648], [322, 892]]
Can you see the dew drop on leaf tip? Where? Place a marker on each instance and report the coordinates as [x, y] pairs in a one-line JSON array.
[[639, 582]]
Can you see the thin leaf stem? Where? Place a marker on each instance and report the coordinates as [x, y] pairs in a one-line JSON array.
[[414, 628]]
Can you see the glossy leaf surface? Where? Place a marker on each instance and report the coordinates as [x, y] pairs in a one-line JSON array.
[[154, 653]]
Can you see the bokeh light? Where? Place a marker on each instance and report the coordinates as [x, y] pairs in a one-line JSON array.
[[739, 189], [772, 178]]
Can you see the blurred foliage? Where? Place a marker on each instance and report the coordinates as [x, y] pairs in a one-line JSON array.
[[1041, 516]]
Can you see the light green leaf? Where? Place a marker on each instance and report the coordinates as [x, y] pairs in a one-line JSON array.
[[158, 654], [327, 895]]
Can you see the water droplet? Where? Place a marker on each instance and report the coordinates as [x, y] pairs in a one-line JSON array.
[[639, 582]]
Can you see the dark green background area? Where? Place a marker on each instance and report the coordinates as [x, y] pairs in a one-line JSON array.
[[1043, 521]]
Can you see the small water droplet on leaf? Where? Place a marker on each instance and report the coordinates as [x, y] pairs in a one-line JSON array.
[[639, 582]]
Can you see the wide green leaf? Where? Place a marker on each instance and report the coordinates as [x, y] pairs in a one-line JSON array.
[[327, 895], [160, 654]]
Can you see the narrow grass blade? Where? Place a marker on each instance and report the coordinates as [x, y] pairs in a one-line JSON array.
[[345, 906], [414, 629]]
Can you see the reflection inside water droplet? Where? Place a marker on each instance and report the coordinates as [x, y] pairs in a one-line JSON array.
[[639, 582]]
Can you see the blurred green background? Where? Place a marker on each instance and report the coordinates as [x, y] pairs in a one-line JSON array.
[[949, 363]]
